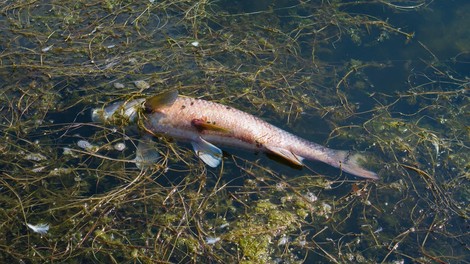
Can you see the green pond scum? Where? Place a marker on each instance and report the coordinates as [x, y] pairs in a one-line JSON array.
[[364, 75]]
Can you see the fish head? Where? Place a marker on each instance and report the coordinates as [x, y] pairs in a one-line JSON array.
[[120, 113]]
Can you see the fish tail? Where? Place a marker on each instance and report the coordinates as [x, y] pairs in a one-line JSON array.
[[350, 162]]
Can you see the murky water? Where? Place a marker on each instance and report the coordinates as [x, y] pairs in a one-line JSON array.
[[389, 79]]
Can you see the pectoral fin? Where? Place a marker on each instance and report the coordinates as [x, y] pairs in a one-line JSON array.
[[160, 100], [286, 154], [210, 154], [202, 125]]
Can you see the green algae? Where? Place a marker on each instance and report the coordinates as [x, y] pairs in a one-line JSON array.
[[255, 249], [59, 59]]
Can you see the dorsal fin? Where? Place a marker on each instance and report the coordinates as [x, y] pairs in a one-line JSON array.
[[160, 100]]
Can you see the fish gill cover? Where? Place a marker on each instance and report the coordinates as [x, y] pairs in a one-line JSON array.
[[365, 75]]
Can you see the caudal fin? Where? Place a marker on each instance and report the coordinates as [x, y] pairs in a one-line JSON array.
[[350, 162]]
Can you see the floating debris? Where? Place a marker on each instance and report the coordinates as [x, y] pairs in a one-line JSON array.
[[35, 157], [281, 186], [212, 240], [118, 85], [60, 171], [311, 197], [146, 154], [68, 151], [118, 113], [224, 225], [132, 61], [142, 85], [325, 210], [195, 43], [38, 169], [120, 146], [283, 240], [46, 49], [39, 228], [87, 145], [380, 229]]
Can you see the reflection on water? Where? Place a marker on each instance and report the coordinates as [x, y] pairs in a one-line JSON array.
[[390, 79]]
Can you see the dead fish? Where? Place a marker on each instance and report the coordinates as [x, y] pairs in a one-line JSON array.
[[206, 124]]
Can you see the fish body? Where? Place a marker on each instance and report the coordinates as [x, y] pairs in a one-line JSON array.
[[206, 124]]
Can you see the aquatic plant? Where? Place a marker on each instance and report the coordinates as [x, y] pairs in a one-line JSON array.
[[69, 187]]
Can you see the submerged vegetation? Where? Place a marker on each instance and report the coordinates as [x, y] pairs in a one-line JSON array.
[[69, 191]]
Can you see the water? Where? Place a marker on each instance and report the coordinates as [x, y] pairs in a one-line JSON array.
[[393, 83]]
